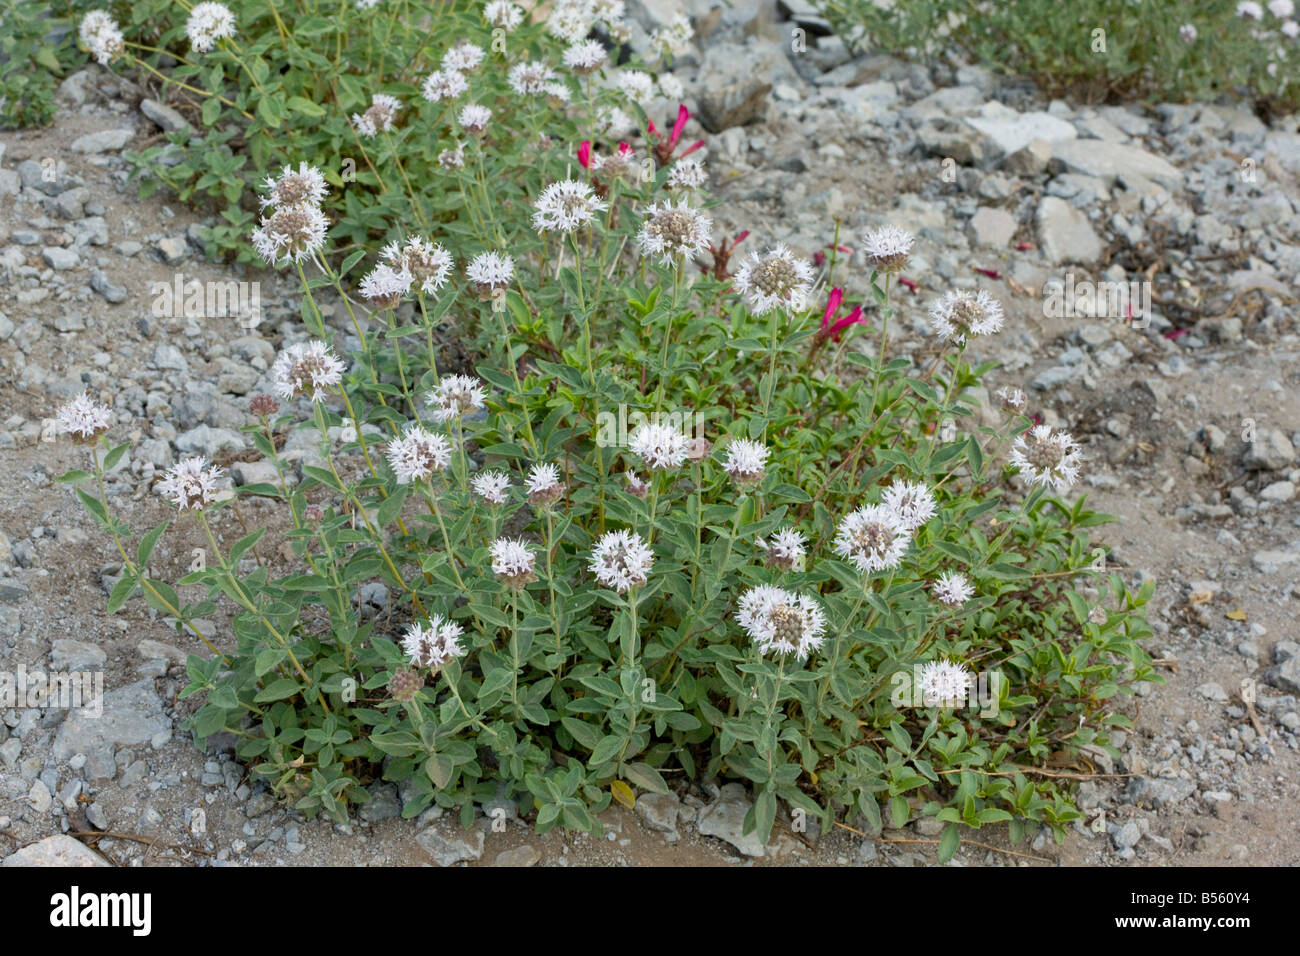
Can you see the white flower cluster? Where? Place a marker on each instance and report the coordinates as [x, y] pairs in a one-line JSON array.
[[306, 368], [190, 484], [379, 117], [102, 37], [433, 644], [775, 280], [417, 454], [456, 396], [293, 226], [621, 560], [566, 206], [84, 419], [208, 23], [781, 621]]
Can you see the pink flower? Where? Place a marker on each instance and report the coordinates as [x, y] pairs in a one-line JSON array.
[[833, 329], [663, 148], [584, 154]]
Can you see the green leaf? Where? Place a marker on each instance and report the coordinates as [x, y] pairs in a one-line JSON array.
[[646, 777], [949, 841], [121, 591], [277, 690], [74, 475]]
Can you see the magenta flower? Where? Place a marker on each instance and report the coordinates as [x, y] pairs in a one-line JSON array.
[[663, 148], [833, 327]]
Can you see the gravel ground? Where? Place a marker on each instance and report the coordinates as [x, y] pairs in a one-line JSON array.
[[1189, 418]]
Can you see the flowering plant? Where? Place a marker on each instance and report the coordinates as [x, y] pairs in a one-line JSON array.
[[739, 586]]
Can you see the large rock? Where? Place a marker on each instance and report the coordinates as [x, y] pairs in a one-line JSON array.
[[1065, 234], [725, 820], [448, 850], [1270, 451], [1158, 791], [131, 716], [1108, 161], [163, 115], [735, 83], [1009, 131], [61, 850], [105, 141], [991, 226]]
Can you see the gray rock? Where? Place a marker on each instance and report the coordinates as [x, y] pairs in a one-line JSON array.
[[1212, 691], [735, 82], [658, 811], [110, 291], [40, 799], [208, 441], [151, 650], [992, 227], [59, 258], [1010, 131], [1108, 161], [448, 850], [56, 851], [132, 716], [163, 115], [254, 472], [382, 805], [1065, 234], [1270, 451], [173, 249], [105, 141], [1127, 836], [1285, 676], [1158, 792], [725, 819], [518, 857], [70, 655]]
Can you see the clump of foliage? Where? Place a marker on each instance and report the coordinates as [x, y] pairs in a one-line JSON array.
[[1098, 49], [664, 524]]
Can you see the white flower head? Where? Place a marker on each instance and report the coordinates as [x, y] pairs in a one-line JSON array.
[[1047, 457], [887, 249], [491, 486], [190, 484], [503, 14], [943, 682], [443, 85], [1187, 33], [452, 158], [873, 538], [775, 280], [912, 501], [208, 23], [621, 560], [543, 485], [417, 454], [530, 78], [513, 562], [464, 57], [1013, 399], [306, 368], [456, 396], [686, 174], [746, 461], [671, 231], [781, 621], [670, 88], [304, 186], [379, 117], [474, 118], [84, 419], [1291, 29], [433, 644], [961, 314], [613, 121], [427, 263], [1250, 10], [290, 233], [102, 37], [953, 588], [674, 39], [659, 446], [637, 85], [585, 56], [491, 270], [385, 287], [570, 20], [565, 206], [1281, 8], [786, 550]]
